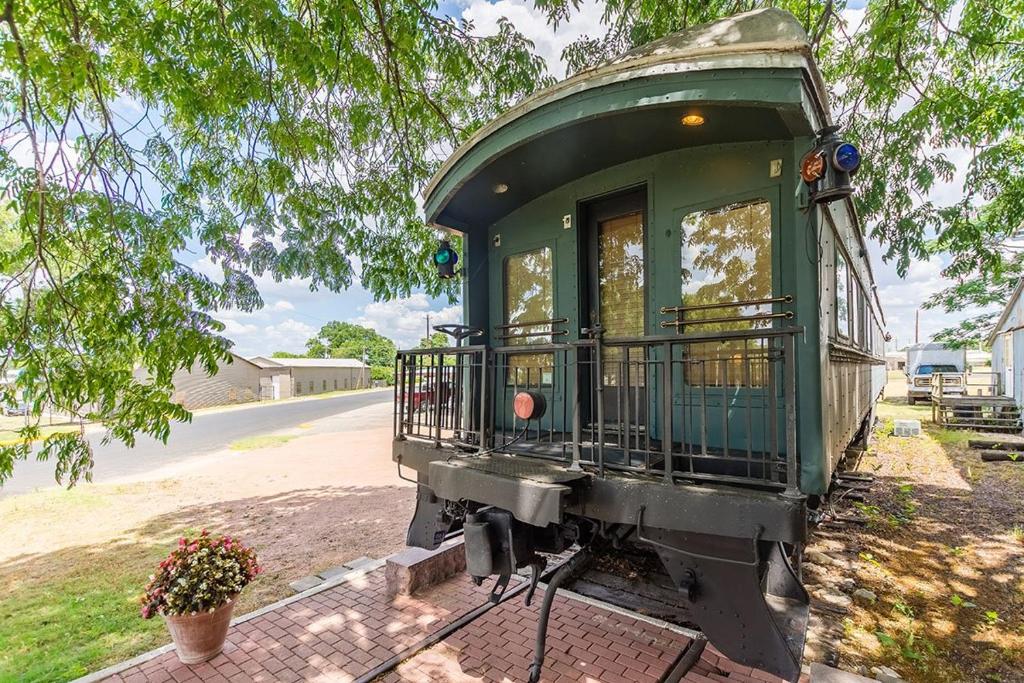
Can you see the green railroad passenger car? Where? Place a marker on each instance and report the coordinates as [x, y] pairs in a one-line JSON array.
[[672, 339]]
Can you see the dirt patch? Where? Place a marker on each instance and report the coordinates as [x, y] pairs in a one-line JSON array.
[[74, 562], [942, 553]]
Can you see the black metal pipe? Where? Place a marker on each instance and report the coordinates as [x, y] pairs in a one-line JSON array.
[[689, 656], [575, 564], [451, 628]]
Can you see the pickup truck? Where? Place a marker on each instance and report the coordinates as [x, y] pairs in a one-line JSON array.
[[920, 385], [926, 360]]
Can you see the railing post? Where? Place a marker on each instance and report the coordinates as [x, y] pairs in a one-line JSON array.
[[438, 383], [398, 408], [599, 390], [482, 443], [577, 428], [789, 396], [666, 410]]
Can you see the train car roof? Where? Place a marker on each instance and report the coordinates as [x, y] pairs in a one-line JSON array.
[[767, 38]]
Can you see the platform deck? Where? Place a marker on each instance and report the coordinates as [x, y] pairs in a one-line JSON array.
[[342, 632]]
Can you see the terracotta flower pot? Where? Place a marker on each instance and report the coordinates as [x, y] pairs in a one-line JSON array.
[[200, 637]]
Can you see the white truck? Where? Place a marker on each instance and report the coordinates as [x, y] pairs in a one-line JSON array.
[[926, 360]]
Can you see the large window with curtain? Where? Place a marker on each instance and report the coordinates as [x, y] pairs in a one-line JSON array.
[[620, 275], [529, 284], [726, 262]]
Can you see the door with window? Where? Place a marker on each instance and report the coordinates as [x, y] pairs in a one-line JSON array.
[[614, 300]]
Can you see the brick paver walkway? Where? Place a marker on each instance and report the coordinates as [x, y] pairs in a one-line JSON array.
[[342, 632]]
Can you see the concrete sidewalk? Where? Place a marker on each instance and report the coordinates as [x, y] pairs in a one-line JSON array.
[[342, 630]]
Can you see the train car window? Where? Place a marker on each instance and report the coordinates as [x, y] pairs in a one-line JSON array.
[[726, 258], [855, 318], [862, 311], [842, 297], [529, 297]]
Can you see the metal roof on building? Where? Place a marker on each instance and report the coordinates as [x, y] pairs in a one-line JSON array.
[[265, 362]]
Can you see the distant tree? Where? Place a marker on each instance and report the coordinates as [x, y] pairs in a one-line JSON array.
[[437, 340], [347, 340], [379, 373], [287, 354]]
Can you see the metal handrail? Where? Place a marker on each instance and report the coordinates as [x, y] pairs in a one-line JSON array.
[[787, 299], [762, 333], [728, 319], [525, 335], [724, 335], [661, 404], [552, 321], [466, 350]]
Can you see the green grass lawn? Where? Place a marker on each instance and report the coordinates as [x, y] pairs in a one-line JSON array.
[[266, 441], [77, 612], [9, 437]]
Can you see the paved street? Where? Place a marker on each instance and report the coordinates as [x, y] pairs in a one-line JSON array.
[[205, 434]]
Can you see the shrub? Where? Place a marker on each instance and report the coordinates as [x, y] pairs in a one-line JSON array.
[[382, 372], [200, 575]]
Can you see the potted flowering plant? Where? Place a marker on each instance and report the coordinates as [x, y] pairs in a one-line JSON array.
[[194, 589]]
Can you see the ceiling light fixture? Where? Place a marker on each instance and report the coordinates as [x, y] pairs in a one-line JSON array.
[[692, 120], [500, 188]]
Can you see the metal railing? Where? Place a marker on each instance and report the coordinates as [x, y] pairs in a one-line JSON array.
[[979, 405], [441, 394], [718, 406]]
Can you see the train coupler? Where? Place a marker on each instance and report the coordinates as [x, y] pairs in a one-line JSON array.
[[743, 594]]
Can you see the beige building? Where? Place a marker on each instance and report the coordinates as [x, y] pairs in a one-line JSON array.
[[307, 376], [235, 382], [265, 379]]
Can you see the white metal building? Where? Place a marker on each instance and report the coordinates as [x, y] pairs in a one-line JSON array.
[[1007, 341], [235, 382]]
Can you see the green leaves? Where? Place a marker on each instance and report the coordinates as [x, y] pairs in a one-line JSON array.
[[345, 340], [279, 138], [291, 139]]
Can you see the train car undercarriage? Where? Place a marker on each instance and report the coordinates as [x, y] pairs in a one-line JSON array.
[[735, 575]]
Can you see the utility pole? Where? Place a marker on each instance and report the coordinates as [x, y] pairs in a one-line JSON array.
[[428, 326], [917, 326]]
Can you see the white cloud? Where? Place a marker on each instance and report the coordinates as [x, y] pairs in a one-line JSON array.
[[405, 320], [61, 159], [903, 298], [233, 329], [289, 291], [548, 42], [282, 305], [289, 335]]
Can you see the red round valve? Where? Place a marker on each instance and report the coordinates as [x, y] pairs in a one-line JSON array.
[[528, 405]]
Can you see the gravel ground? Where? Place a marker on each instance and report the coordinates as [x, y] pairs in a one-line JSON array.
[[941, 554]]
